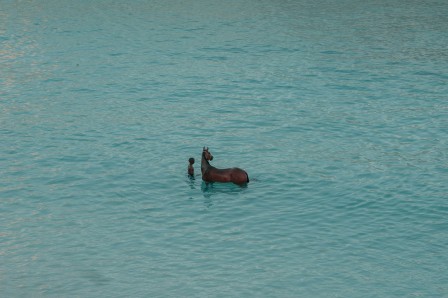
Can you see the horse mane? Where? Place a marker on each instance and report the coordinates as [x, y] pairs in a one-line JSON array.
[[203, 157]]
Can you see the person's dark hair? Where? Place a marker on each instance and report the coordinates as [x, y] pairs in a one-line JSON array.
[[191, 160]]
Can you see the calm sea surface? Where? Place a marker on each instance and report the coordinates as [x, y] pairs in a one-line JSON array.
[[338, 110]]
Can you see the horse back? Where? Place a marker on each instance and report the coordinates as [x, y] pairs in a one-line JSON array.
[[235, 175]]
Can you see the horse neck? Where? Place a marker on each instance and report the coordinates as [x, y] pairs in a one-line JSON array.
[[204, 163]]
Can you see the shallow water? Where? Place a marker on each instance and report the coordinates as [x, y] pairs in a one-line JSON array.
[[338, 112]]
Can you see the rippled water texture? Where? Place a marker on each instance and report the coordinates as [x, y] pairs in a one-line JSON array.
[[337, 110]]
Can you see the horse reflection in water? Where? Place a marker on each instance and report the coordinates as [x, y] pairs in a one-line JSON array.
[[212, 174]]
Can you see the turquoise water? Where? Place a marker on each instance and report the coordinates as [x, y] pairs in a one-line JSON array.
[[338, 110]]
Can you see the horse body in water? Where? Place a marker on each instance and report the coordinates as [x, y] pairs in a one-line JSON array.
[[212, 174]]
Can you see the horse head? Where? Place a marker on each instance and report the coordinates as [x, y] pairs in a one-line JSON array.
[[207, 155]]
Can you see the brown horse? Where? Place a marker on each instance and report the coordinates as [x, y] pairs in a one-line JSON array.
[[212, 174]]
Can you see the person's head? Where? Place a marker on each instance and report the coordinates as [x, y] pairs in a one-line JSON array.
[[191, 160]]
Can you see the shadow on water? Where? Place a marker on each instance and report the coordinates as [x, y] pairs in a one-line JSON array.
[[210, 189]]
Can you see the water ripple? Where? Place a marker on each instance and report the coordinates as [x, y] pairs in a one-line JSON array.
[[340, 122]]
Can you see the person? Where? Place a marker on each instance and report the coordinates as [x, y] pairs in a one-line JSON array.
[[190, 166]]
